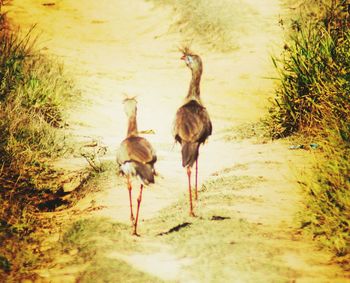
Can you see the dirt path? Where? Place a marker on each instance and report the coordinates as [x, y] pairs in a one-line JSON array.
[[117, 47]]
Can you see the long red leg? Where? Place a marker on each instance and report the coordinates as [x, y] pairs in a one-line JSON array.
[[130, 200], [196, 194], [190, 190], [139, 199]]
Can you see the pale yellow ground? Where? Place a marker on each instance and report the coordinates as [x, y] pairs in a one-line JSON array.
[[113, 48]]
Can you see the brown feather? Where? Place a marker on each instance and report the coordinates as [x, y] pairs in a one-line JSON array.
[[192, 127], [136, 149], [192, 123]]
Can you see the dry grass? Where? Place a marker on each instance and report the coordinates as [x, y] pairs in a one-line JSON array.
[[313, 70], [313, 99], [215, 24], [257, 131], [95, 248], [218, 242], [33, 93], [90, 242]]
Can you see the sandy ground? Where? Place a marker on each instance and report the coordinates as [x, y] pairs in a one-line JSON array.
[[113, 48]]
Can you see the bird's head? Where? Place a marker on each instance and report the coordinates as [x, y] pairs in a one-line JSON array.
[[130, 106], [192, 61]]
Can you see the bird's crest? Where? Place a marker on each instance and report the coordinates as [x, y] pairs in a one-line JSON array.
[[185, 49], [128, 98]]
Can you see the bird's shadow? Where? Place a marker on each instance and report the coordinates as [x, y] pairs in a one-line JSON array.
[[176, 228], [180, 226]]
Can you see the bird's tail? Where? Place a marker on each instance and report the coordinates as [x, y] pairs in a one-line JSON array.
[[189, 153], [145, 171]]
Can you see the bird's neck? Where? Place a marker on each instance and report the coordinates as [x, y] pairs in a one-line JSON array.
[[194, 90], [132, 126]]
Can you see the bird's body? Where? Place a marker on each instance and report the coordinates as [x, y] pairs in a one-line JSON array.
[[135, 157], [192, 125], [192, 128]]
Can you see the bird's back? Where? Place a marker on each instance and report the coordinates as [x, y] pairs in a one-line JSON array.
[[136, 156], [192, 123], [192, 127]]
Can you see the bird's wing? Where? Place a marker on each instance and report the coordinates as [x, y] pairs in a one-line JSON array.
[[207, 126], [192, 123], [136, 149]]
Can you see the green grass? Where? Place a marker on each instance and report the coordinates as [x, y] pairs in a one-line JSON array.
[[33, 94], [94, 239], [85, 234], [313, 100], [329, 203], [112, 270], [219, 243], [34, 90], [313, 72]]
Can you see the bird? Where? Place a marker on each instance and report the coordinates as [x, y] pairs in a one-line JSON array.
[[135, 157], [192, 125]]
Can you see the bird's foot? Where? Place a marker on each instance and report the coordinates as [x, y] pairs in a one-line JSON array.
[[134, 233], [192, 214]]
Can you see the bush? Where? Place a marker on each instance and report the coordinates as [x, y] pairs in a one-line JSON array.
[[33, 93], [313, 99], [314, 74]]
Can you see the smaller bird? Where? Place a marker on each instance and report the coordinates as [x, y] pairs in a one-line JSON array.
[[192, 125], [135, 157]]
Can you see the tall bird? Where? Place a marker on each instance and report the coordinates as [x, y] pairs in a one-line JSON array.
[[135, 157], [192, 124]]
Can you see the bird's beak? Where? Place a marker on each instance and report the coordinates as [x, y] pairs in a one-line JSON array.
[[183, 57]]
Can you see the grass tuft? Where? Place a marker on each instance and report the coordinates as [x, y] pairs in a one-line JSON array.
[[5, 265], [33, 93], [313, 99]]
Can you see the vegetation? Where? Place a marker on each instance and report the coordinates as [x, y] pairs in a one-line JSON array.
[[313, 99], [33, 92], [215, 24], [83, 239], [220, 243]]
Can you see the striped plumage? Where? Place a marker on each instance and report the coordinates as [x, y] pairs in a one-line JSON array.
[[192, 128], [135, 157], [192, 125]]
